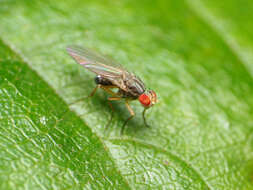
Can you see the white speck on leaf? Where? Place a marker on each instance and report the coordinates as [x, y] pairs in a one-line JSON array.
[[43, 120]]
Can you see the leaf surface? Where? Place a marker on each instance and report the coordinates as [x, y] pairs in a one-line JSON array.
[[201, 129]]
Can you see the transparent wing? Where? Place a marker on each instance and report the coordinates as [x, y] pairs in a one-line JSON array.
[[96, 63]]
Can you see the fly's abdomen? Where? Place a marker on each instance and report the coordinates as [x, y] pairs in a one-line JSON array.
[[103, 81]]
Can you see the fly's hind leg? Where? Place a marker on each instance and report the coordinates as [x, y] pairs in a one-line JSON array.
[[129, 118], [108, 90], [110, 104], [78, 100], [90, 95], [116, 97]]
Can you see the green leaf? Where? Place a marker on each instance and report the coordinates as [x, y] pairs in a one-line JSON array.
[[42, 144], [196, 55]]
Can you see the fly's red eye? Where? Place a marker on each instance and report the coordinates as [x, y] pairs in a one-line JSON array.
[[144, 100]]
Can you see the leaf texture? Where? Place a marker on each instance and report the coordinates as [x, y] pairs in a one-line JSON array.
[[191, 53]]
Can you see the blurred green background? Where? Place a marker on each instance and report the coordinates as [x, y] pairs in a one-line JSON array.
[[197, 56]]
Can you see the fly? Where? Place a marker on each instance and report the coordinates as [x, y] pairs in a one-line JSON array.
[[111, 75]]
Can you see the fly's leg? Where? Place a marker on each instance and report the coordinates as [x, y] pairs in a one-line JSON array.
[[144, 119], [108, 90], [128, 119], [110, 104], [90, 95]]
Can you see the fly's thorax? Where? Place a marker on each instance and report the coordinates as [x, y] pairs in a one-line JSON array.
[[125, 94], [134, 85], [148, 98]]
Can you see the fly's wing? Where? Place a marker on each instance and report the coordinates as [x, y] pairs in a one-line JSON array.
[[96, 63], [106, 68]]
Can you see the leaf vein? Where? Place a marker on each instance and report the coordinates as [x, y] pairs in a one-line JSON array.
[[169, 153]]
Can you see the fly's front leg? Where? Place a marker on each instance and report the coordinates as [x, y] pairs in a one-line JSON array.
[[128, 119], [91, 94], [110, 104], [143, 116]]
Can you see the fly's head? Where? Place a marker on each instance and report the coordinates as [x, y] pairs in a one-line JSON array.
[[148, 99]]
